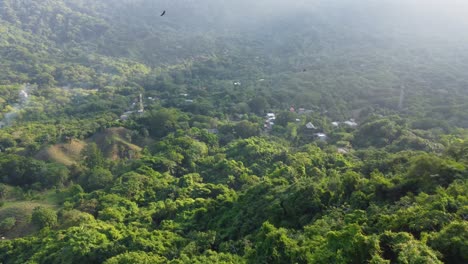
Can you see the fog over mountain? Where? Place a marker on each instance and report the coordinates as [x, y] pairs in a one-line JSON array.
[[416, 23], [233, 131]]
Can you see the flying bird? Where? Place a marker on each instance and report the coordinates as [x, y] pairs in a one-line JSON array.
[[163, 13]]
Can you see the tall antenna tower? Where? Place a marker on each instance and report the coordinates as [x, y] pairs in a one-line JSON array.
[[141, 104], [402, 97]]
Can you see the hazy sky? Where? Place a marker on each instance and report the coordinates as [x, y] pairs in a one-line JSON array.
[[427, 18]]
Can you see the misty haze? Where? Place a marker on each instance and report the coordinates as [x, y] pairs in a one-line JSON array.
[[217, 131]]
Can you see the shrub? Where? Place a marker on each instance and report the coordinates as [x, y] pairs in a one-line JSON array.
[[7, 224], [44, 217]]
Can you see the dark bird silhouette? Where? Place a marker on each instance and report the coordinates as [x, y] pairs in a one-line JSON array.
[[163, 13]]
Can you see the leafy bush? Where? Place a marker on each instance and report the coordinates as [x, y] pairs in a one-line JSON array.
[[44, 217], [7, 224]]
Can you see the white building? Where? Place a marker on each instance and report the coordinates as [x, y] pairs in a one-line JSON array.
[[310, 126], [321, 136], [351, 123]]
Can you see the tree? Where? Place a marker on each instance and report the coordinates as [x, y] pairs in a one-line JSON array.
[[452, 242], [246, 129], [136, 257], [44, 217], [403, 248], [3, 191], [378, 133], [347, 245], [274, 246], [97, 178], [69, 218], [458, 150], [88, 243], [92, 156], [161, 122], [428, 171], [258, 105], [6, 142], [285, 117], [55, 174]]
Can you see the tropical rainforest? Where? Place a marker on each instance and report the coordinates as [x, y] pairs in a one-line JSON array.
[[233, 131]]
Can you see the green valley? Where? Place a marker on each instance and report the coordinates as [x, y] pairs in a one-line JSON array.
[[233, 131]]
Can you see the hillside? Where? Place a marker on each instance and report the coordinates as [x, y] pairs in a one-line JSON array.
[[15, 214], [113, 143], [233, 131], [64, 153], [21, 213]]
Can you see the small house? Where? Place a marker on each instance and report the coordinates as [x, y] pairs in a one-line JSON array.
[[23, 94], [351, 123], [342, 150], [303, 111], [310, 126], [321, 136]]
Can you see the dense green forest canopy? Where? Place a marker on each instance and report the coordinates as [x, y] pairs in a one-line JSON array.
[[233, 131]]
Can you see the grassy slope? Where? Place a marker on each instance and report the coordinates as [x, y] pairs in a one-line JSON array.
[[64, 153], [22, 211], [113, 142]]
